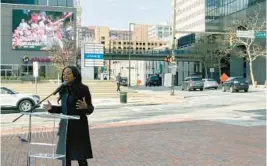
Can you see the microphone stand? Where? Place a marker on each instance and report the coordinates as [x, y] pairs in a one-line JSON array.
[[30, 121]]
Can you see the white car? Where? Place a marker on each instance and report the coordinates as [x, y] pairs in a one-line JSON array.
[[210, 84], [12, 100]]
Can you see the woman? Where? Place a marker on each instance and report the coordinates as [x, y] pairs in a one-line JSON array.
[[75, 100]]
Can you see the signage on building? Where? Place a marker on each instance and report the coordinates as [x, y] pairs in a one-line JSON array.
[[245, 34], [212, 70], [38, 59], [93, 54]]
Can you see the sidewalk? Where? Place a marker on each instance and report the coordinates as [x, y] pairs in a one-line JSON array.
[[198, 143]]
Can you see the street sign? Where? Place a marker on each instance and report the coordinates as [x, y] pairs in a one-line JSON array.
[[212, 70], [260, 35], [245, 34], [35, 69], [93, 55]]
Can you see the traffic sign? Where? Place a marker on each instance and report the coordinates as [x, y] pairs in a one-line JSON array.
[[260, 35], [245, 34], [212, 70], [35, 69]]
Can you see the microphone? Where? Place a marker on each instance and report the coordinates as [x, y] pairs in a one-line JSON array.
[[60, 88]]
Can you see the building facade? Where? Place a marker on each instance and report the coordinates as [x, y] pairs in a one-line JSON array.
[[139, 32], [120, 35], [24, 34], [159, 32], [213, 16], [190, 16], [221, 14]]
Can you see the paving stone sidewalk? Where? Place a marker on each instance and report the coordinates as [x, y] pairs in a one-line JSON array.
[[195, 143]]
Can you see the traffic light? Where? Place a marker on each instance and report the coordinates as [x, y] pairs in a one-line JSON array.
[[168, 59]]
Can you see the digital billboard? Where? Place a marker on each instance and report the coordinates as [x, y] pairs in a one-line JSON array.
[[41, 30]]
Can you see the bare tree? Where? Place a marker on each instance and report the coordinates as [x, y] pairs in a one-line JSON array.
[[255, 20], [62, 57], [203, 50], [222, 50]]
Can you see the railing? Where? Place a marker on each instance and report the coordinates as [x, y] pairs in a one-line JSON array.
[[146, 52]]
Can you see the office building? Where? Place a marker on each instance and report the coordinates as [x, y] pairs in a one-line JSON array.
[[159, 32], [140, 32], [87, 34], [217, 15], [220, 15], [190, 16], [121, 40], [120, 35]]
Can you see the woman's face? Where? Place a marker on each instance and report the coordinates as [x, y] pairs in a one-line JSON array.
[[68, 76]]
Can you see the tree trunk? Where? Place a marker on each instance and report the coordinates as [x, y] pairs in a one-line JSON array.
[[219, 66], [251, 72], [206, 71]]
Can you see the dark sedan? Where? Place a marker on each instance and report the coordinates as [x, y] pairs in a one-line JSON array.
[[153, 81], [124, 81], [235, 84]]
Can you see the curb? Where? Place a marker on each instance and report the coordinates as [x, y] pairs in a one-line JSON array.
[[126, 104]]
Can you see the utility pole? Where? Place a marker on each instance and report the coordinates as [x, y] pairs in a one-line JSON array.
[[129, 54], [173, 61]]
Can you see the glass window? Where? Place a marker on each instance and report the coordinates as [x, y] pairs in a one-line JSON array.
[[196, 79]]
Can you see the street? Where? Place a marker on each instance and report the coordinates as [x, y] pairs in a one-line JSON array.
[[208, 128], [232, 108]]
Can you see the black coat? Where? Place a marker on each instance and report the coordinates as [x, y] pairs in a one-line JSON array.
[[78, 145]]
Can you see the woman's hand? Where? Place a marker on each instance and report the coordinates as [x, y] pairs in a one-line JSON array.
[[47, 106], [81, 104]]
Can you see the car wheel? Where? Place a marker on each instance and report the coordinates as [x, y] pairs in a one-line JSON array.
[[194, 89], [246, 90], [223, 89], [25, 105], [201, 89], [216, 88], [231, 89]]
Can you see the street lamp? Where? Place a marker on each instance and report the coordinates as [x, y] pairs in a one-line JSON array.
[[129, 53], [173, 64]]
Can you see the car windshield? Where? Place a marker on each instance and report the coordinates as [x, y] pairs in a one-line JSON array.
[[196, 79], [240, 79], [154, 78], [9, 90], [210, 80]]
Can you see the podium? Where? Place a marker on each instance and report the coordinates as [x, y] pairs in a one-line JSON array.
[[49, 143]]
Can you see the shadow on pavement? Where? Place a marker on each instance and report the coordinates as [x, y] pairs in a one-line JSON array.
[[260, 114]]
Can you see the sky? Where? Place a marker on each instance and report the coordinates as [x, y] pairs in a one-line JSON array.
[[116, 14]]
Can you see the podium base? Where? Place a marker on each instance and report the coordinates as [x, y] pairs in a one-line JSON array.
[[46, 156]]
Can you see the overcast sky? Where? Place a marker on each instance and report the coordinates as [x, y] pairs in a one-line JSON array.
[[117, 14]]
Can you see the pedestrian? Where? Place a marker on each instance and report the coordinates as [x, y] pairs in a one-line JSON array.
[[75, 100], [118, 80]]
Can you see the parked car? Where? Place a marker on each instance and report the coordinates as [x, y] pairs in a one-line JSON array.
[[192, 83], [124, 81], [153, 81], [13, 100], [235, 84], [210, 84]]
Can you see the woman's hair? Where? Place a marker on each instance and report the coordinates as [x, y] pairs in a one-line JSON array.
[[77, 82], [76, 73]]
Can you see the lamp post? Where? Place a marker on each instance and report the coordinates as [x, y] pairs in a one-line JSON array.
[[173, 63], [129, 53]]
